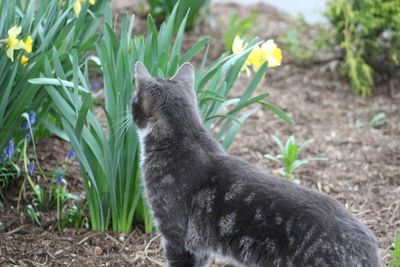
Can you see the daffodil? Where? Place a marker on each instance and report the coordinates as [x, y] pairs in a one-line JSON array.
[[238, 47], [273, 53], [78, 5], [268, 52], [28, 44], [257, 57], [13, 43], [24, 60]]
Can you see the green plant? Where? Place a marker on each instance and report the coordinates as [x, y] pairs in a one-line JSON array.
[[8, 170], [31, 214], [39, 197], [237, 27], [109, 158], [369, 32], [395, 262], [162, 9], [54, 196], [377, 121], [29, 31], [305, 41], [74, 217], [65, 216], [289, 156]]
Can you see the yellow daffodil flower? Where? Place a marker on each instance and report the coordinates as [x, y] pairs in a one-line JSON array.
[[13, 43], [273, 53], [268, 51], [78, 5], [28, 44], [238, 47], [24, 60], [257, 57]]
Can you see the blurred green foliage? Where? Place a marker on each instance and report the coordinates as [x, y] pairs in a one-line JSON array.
[[369, 32], [237, 26], [376, 122], [396, 252], [161, 9], [305, 41]]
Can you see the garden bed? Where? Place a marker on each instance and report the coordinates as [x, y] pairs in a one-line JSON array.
[[362, 170]]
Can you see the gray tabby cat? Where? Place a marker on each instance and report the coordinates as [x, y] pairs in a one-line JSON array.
[[206, 202]]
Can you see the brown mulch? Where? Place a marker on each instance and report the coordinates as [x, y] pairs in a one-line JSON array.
[[28, 245], [362, 170]]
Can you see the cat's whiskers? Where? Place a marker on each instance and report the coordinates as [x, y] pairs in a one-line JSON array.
[[121, 126]]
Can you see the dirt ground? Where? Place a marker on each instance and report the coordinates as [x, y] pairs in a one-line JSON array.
[[362, 170]]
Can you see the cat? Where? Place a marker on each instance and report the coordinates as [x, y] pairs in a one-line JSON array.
[[207, 203]]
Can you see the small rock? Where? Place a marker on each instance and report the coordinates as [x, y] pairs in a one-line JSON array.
[[121, 238], [98, 251]]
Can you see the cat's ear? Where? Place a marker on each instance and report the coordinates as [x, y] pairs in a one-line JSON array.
[[142, 75], [185, 74]]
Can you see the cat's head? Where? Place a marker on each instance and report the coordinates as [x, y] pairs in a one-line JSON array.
[[170, 102]]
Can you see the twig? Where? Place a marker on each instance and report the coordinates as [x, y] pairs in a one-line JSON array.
[[113, 239], [19, 228], [126, 241], [146, 251], [87, 237], [6, 226]]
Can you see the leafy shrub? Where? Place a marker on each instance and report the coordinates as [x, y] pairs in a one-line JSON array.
[[289, 156], [161, 9], [109, 158], [29, 33], [369, 32]]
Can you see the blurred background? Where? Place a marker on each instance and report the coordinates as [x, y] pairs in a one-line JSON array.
[[312, 10]]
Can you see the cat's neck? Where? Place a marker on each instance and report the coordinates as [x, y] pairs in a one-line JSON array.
[[158, 137]]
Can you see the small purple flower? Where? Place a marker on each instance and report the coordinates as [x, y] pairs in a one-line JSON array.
[[32, 120], [31, 167], [60, 179], [8, 151], [25, 125], [71, 154], [32, 117], [96, 85]]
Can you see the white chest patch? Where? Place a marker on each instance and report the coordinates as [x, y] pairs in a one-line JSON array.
[[143, 133]]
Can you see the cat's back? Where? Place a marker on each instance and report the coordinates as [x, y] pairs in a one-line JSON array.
[[304, 227]]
